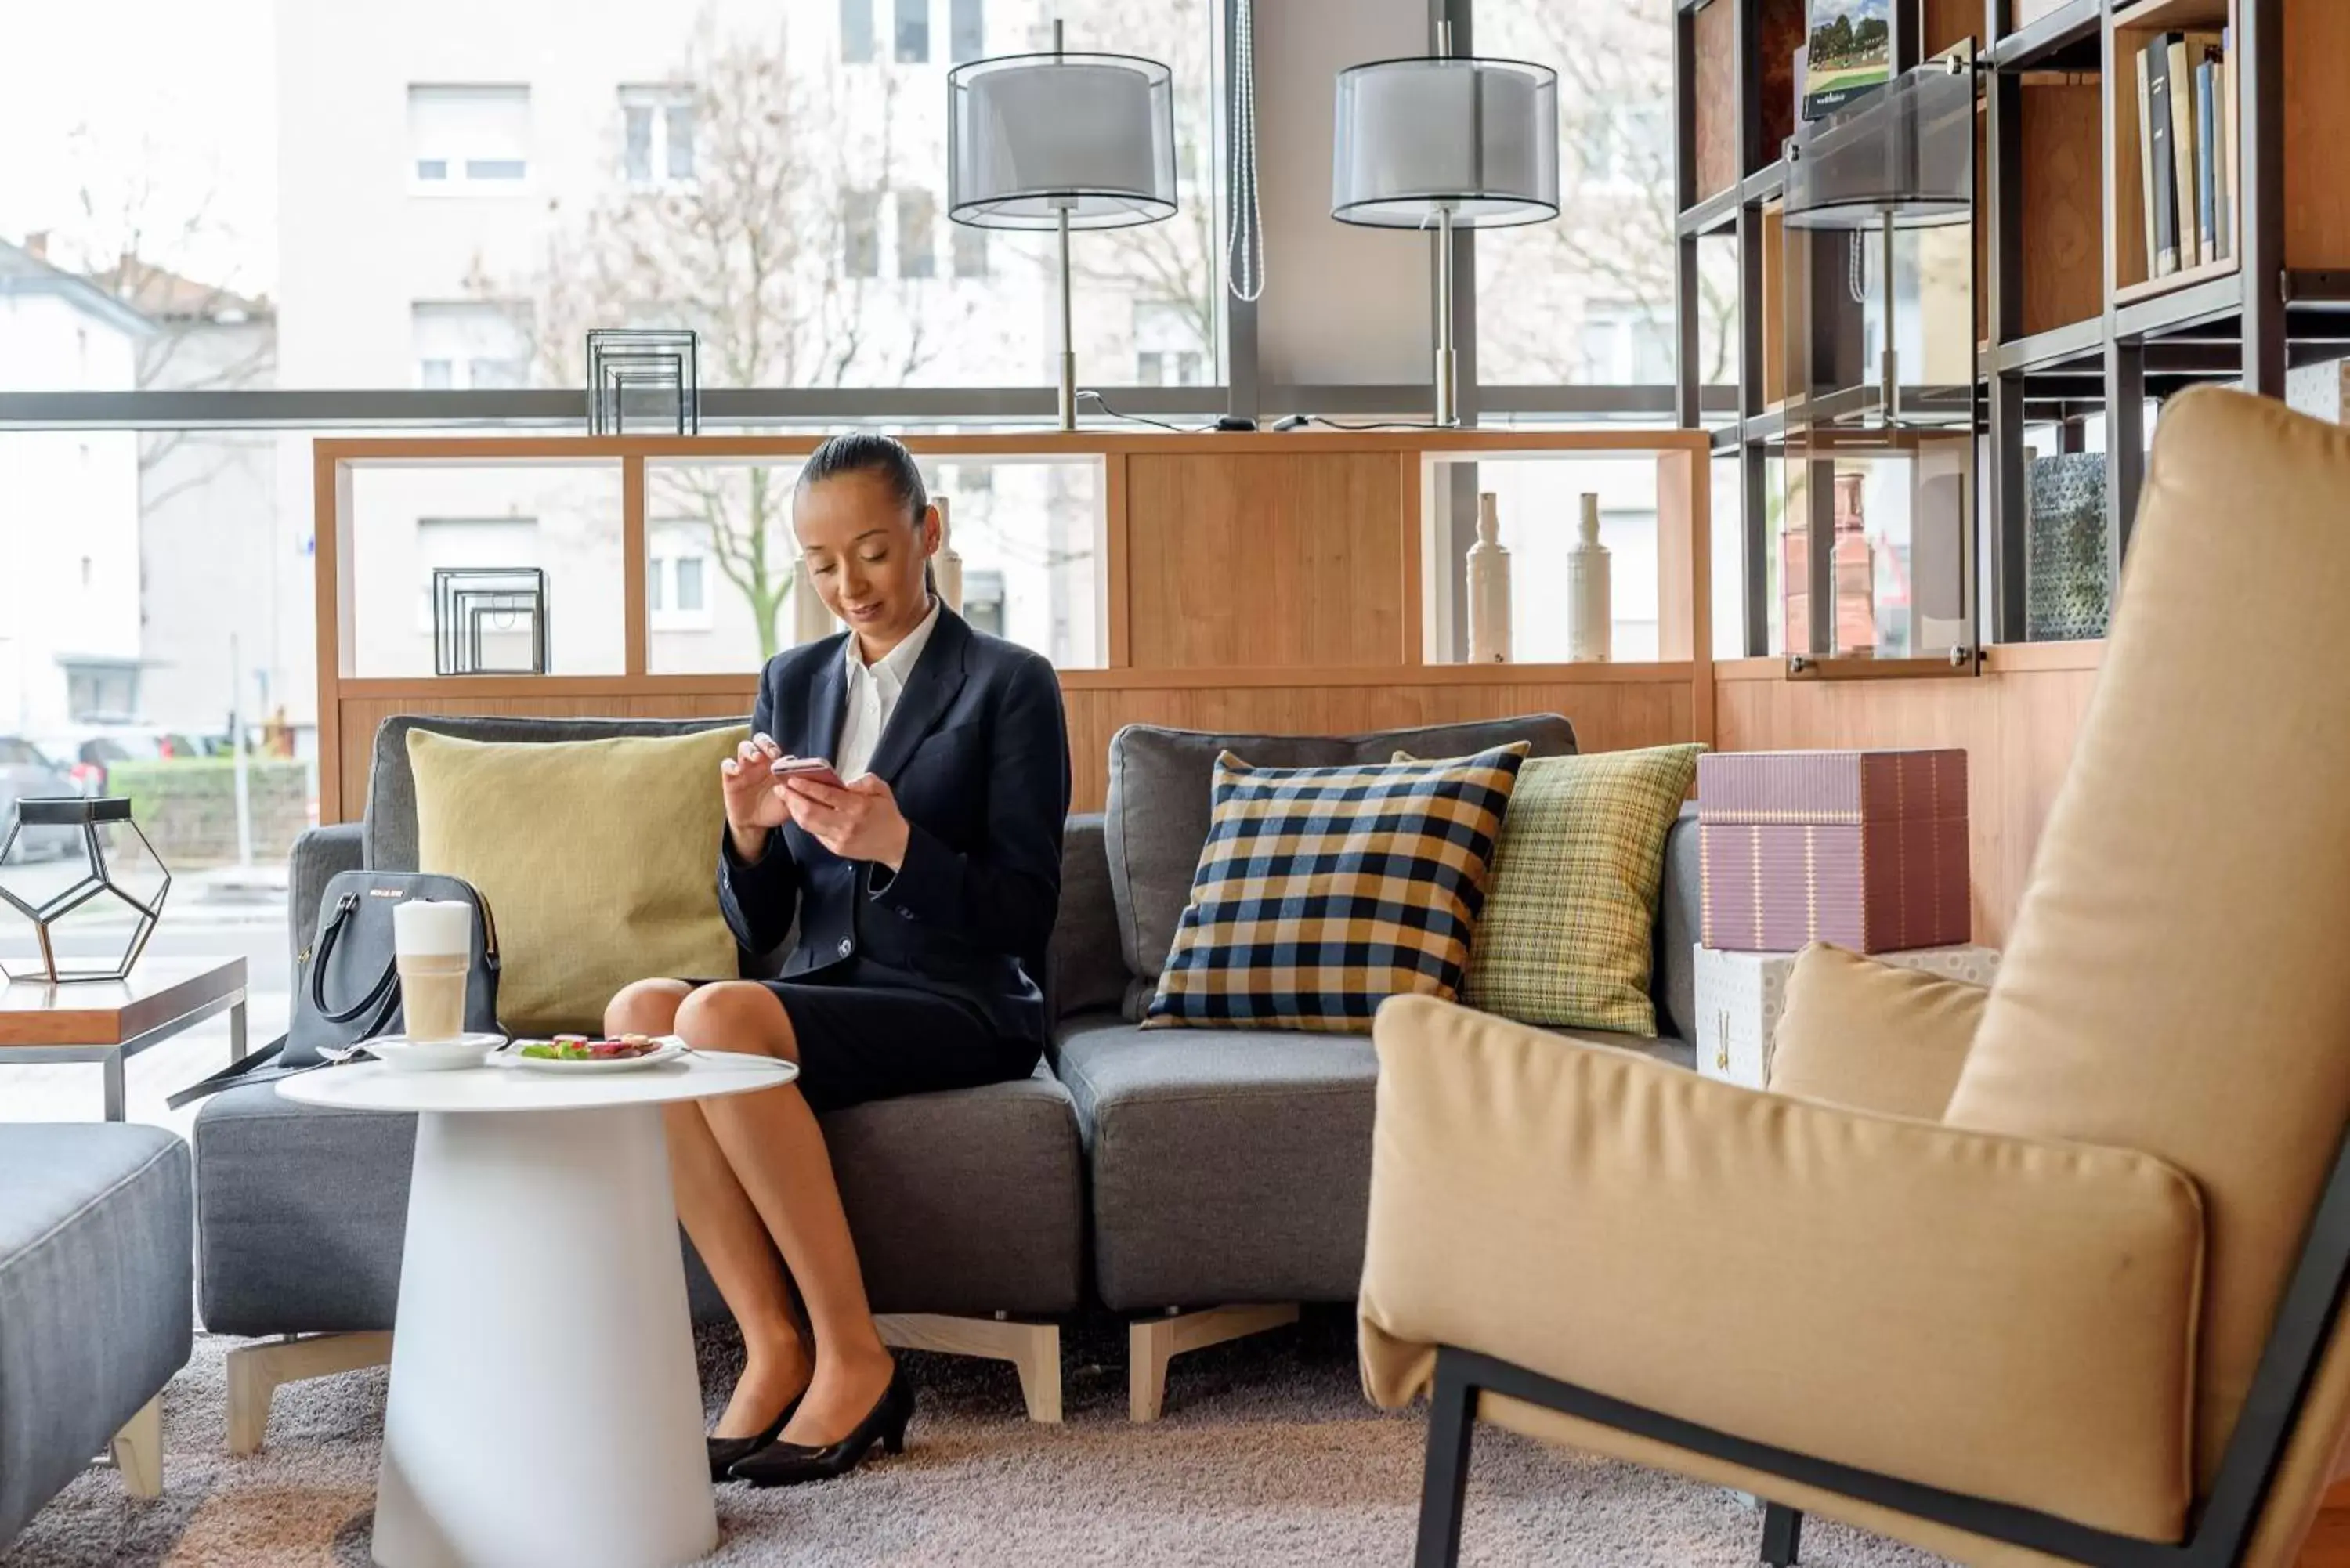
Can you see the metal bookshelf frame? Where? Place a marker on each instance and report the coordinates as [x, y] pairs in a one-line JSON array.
[[2250, 326]]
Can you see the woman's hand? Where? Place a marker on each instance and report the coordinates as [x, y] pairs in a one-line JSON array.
[[858, 821], [755, 802]]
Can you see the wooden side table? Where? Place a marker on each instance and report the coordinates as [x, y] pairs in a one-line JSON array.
[[109, 1021]]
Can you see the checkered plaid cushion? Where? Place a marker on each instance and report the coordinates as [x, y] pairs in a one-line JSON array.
[[1568, 934], [1322, 892]]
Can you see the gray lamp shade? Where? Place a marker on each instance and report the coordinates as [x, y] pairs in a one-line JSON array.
[[1906, 153], [1031, 135], [1416, 137]]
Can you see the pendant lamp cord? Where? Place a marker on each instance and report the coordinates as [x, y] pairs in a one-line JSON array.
[[1246, 268]]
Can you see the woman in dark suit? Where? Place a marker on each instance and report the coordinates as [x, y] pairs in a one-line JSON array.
[[925, 886]]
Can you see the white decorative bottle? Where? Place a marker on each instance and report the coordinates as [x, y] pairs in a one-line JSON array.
[[946, 566], [1489, 590], [1591, 622]]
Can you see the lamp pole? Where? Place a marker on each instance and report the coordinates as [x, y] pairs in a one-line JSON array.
[[1447, 398], [1068, 329], [1447, 384]]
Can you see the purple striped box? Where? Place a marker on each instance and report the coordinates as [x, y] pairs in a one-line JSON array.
[[1863, 849]]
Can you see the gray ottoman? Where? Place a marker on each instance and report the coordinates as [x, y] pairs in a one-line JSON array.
[[96, 1264]]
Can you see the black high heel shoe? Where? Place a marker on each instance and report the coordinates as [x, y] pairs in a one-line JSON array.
[[788, 1464], [725, 1451]]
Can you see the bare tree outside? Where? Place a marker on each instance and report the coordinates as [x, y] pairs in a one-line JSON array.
[[134, 239], [1169, 264], [1614, 244], [769, 247]]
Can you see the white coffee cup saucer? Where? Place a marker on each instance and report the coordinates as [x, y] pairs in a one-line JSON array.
[[403, 1054]]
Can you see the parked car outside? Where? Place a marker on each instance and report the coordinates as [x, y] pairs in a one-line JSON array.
[[85, 753], [26, 772]]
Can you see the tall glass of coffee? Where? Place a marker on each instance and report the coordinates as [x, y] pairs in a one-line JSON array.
[[433, 942]]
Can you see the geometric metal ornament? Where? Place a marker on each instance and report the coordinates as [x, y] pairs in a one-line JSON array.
[[656, 370], [86, 813]]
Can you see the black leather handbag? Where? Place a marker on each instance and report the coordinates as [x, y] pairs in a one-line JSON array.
[[347, 980]]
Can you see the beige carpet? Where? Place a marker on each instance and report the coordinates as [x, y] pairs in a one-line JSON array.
[[1269, 1454]]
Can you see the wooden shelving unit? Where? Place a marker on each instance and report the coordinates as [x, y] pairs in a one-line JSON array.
[[2070, 323]]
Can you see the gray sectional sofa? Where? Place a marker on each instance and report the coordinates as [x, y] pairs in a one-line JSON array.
[[1202, 1182], [94, 1247]]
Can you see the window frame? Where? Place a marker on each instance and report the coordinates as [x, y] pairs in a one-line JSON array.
[[459, 179]]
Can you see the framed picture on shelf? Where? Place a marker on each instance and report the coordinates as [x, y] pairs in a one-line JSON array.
[[1848, 52]]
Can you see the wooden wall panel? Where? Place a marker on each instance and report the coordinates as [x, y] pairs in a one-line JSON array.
[[1714, 33], [2316, 127], [2017, 727], [2064, 202], [1947, 21], [1606, 716], [1267, 559]]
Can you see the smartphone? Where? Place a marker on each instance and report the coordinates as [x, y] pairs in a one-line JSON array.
[[817, 768]]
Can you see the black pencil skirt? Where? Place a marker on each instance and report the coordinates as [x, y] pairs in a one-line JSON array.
[[860, 1043]]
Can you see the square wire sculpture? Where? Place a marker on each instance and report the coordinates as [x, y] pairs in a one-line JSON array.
[[472, 606], [660, 365]]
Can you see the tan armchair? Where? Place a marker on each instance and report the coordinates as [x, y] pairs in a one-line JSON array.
[[2092, 1314]]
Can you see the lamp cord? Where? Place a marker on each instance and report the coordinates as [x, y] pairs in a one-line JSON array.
[[1246, 268]]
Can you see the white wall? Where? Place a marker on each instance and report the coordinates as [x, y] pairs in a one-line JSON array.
[[68, 513]]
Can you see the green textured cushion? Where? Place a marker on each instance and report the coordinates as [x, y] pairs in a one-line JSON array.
[[1567, 935]]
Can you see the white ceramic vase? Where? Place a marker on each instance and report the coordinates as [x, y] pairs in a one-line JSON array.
[[1591, 616], [1488, 588]]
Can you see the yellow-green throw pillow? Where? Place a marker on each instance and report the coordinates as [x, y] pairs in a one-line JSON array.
[[598, 859], [1568, 933]]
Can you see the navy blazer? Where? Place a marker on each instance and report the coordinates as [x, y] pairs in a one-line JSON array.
[[977, 752]]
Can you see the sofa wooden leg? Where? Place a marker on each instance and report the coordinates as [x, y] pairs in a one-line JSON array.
[[137, 1451], [1782, 1536], [1152, 1341], [1444, 1482], [1033, 1348], [254, 1372]]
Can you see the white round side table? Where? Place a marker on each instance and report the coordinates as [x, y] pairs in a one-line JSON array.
[[543, 1404]]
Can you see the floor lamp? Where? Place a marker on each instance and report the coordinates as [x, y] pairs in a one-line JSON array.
[[1449, 142], [1061, 141]]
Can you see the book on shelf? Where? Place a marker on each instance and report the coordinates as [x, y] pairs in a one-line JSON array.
[[2207, 161], [2145, 165], [1849, 53], [2182, 147], [2232, 179], [2162, 212]]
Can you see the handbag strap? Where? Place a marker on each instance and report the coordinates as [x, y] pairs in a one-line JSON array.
[[384, 994]]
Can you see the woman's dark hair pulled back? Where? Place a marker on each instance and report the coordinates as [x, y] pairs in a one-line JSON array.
[[868, 452]]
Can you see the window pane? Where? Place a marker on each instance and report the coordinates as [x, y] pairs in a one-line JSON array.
[[637, 157], [913, 31], [235, 162], [1588, 296], [489, 338], [483, 131], [857, 31], [915, 209], [968, 28], [1037, 524], [689, 584], [970, 251], [862, 234], [656, 581]]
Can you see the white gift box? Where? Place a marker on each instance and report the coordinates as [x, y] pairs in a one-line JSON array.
[[1739, 996]]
